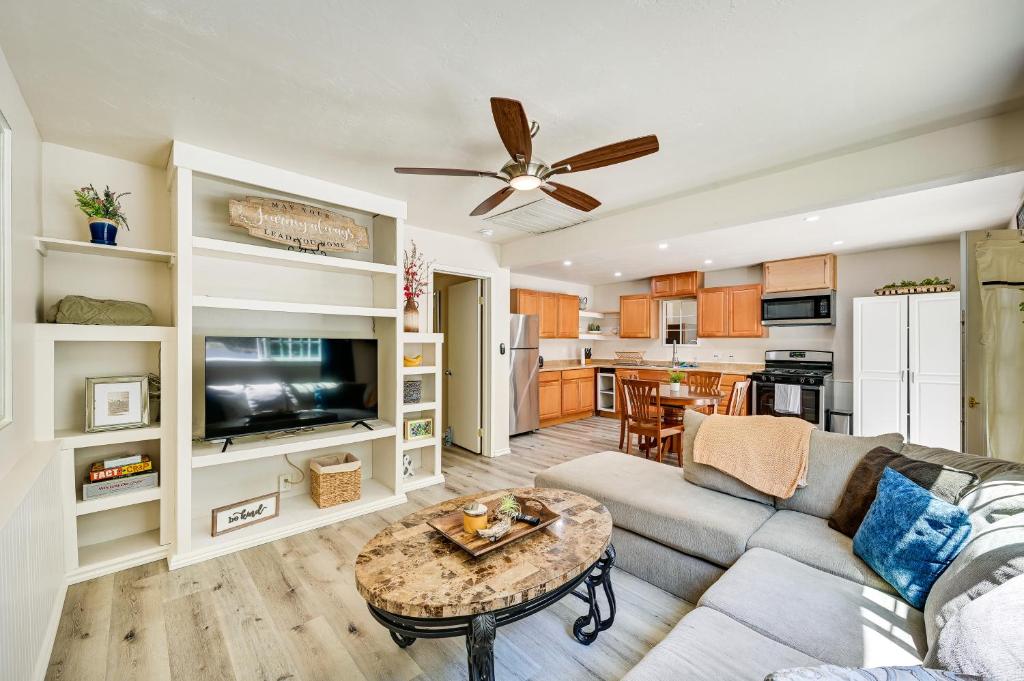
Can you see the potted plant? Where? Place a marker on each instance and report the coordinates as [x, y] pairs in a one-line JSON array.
[[675, 381], [416, 272], [104, 212]]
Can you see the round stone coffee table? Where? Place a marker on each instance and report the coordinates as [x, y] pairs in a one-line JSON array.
[[419, 584]]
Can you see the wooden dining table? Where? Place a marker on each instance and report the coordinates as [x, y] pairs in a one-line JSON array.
[[677, 402]]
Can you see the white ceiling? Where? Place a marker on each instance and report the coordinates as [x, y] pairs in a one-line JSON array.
[[917, 217], [347, 90]]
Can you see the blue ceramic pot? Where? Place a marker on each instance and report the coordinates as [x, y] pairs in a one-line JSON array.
[[103, 232]]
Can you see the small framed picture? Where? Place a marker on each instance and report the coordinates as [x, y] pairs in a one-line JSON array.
[[419, 429], [244, 513], [116, 402]]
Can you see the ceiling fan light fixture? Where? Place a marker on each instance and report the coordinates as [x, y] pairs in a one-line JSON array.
[[525, 183]]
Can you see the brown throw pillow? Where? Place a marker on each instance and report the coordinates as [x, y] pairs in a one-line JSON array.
[[944, 482]]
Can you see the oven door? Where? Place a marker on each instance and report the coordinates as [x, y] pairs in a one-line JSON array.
[[810, 403], [798, 309]]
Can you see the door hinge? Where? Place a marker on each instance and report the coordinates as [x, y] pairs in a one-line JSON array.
[[479, 432], [480, 300]]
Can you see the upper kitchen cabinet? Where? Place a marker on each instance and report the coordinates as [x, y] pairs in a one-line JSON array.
[[559, 313], [638, 317], [729, 312], [680, 285], [800, 274], [568, 316]]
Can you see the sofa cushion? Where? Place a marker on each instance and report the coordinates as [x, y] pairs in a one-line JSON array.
[[708, 476], [709, 646], [982, 466], [654, 501], [831, 672], [910, 536], [995, 498], [994, 556], [984, 638], [821, 615], [944, 482], [832, 458], [677, 573], [811, 541]]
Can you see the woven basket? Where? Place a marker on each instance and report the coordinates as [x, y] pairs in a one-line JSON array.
[[335, 479]]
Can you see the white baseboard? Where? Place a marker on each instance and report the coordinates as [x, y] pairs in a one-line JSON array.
[[499, 452], [45, 650]]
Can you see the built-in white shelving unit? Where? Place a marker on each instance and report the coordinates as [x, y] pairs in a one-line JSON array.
[[229, 283], [588, 314], [46, 244], [425, 454]]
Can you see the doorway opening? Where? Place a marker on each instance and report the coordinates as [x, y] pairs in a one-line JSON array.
[[460, 312]]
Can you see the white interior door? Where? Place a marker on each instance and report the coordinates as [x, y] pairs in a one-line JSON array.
[[934, 363], [463, 337], [879, 365]]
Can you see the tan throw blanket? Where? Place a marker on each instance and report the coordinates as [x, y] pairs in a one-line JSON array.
[[769, 453]]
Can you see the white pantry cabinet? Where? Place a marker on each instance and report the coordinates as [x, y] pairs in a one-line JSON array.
[[906, 367]]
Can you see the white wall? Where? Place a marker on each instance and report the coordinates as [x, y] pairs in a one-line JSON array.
[[553, 348], [858, 275], [474, 256], [31, 555]]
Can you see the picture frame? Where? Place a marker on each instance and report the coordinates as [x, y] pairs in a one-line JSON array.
[[245, 513], [116, 403], [419, 429]]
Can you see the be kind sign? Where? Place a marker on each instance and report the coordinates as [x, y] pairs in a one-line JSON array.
[[244, 513], [297, 224]]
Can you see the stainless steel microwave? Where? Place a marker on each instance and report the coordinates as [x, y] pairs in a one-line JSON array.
[[799, 308]]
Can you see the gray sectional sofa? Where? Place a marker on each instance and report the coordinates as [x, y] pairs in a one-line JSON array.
[[776, 588]]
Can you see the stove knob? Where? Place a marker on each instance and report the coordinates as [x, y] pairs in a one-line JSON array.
[[803, 380]]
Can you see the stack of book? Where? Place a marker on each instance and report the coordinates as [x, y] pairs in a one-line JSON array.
[[121, 474]]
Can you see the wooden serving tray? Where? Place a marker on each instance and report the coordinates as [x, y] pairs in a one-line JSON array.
[[450, 526]]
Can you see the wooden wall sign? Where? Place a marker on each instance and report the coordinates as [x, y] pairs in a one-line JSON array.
[[297, 224], [244, 513]]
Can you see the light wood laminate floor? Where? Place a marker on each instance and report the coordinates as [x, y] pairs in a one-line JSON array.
[[289, 610]]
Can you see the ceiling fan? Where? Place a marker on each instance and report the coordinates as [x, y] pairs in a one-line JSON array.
[[524, 171]]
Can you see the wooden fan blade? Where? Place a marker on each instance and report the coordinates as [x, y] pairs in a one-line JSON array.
[[608, 155], [513, 128], [493, 200], [573, 198], [454, 172]]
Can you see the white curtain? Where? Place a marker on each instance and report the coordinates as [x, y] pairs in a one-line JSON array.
[[1001, 279]]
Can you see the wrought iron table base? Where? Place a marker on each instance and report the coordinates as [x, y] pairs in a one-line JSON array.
[[479, 630]]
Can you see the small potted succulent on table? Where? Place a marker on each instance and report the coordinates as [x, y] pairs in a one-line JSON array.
[[675, 381], [104, 212]]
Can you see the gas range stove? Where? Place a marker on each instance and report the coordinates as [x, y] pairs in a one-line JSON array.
[[793, 376], [796, 367]]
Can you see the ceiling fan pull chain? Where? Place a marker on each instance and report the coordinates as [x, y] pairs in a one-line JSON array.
[[534, 128]]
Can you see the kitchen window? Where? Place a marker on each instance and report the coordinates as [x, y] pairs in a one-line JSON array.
[[679, 321]]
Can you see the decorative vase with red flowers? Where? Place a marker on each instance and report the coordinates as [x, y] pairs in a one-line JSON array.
[[417, 269]]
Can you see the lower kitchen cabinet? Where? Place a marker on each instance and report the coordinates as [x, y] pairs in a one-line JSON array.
[[566, 395]]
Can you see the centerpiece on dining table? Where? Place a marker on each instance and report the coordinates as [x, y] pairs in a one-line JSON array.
[[481, 528]]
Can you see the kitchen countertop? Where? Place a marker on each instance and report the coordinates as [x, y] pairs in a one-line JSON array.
[[743, 368]]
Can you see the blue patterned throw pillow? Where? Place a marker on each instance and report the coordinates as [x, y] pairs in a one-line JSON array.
[[909, 536]]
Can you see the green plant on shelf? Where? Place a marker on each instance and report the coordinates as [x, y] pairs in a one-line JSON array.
[[594, 327], [105, 206]]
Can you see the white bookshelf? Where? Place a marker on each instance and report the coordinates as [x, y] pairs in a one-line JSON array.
[[426, 453], [226, 283], [44, 245]]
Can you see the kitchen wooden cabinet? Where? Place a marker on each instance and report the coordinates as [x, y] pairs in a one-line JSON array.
[[730, 312], [548, 315], [680, 285], [800, 274], [566, 395], [568, 316], [638, 317], [558, 313], [550, 386]]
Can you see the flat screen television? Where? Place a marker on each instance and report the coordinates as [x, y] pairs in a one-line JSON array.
[[263, 384]]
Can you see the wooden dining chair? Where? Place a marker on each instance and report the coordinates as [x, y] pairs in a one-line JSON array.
[[705, 383], [738, 398], [645, 419], [620, 400]]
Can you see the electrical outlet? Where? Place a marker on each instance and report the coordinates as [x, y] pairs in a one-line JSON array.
[[284, 482], [716, 356], [731, 357]]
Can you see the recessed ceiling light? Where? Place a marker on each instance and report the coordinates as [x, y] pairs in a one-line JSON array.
[[708, 261], [812, 218], [663, 245], [486, 232], [837, 243], [618, 274], [567, 262]]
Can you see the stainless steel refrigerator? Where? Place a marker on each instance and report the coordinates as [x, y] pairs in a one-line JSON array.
[[524, 365]]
